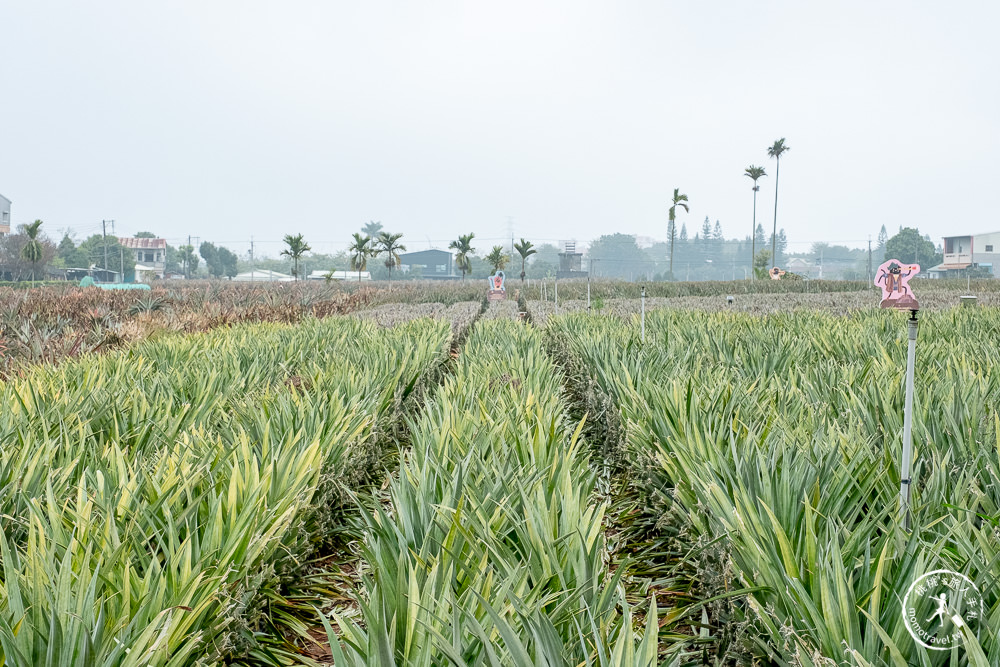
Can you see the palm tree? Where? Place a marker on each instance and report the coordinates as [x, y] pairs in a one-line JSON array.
[[776, 151], [297, 247], [32, 250], [496, 258], [388, 243], [525, 250], [678, 200], [754, 173], [372, 229], [360, 251], [464, 247]]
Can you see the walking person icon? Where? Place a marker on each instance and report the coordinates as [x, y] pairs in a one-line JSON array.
[[942, 609]]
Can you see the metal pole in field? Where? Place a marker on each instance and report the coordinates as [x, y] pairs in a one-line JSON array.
[[870, 259], [557, 294], [643, 313], [588, 293], [905, 481], [104, 231]]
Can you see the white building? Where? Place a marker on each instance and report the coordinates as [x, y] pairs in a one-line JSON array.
[[961, 253], [150, 256], [4, 216], [340, 275], [262, 276]]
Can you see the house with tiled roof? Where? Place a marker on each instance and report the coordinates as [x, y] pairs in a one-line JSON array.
[[150, 256]]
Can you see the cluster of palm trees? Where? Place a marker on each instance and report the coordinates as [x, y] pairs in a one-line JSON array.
[[495, 258], [372, 242], [368, 246], [753, 172]]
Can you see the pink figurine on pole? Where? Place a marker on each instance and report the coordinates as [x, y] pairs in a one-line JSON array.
[[893, 277]]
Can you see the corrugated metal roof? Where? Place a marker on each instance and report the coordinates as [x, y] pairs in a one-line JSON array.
[[142, 244], [949, 267], [419, 256]]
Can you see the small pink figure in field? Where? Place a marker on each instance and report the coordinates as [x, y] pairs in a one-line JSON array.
[[497, 291], [894, 277], [776, 273]]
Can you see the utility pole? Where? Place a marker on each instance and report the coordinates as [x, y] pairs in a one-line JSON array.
[[251, 259], [869, 258], [187, 259], [104, 228]]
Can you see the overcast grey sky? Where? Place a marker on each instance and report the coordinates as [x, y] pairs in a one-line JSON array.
[[228, 119]]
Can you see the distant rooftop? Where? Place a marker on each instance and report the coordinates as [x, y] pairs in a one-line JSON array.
[[142, 244]]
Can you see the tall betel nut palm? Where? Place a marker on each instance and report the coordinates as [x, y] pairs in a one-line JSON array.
[[464, 249], [497, 259], [776, 151], [297, 247], [678, 200], [360, 250], [389, 245], [372, 229], [32, 250], [525, 250], [754, 173]]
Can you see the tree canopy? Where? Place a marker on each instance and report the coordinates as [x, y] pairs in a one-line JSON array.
[[909, 246], [219, 261], [618, 256]]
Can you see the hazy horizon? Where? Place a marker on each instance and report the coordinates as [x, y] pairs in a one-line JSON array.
[[570, 120]]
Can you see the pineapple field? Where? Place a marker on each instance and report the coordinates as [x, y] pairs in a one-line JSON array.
[[332, 475]]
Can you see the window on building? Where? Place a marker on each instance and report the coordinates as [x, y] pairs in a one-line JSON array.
[[6, 215], [989, 248]]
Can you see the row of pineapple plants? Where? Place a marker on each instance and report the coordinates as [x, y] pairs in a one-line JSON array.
[[55, 322], [152, 501], [489, 547], [775, 443]]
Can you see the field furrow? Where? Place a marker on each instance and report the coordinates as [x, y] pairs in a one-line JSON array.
[[153, 501], [491, 550], [767, 450]]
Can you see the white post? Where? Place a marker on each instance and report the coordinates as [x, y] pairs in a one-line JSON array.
[[905, 481], [588, 294], [557, 294], [643, 313]]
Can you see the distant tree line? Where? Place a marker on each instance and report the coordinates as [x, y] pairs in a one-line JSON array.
[[29, 254]]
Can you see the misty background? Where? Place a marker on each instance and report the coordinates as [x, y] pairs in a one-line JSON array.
[[544, 120]]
